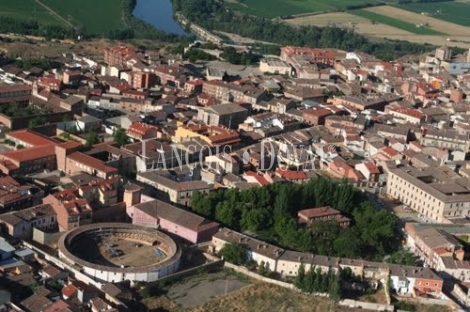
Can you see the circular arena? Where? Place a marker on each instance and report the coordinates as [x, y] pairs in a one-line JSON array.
[[113, 252]]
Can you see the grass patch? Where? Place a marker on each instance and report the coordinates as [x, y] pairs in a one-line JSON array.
[[27, 10], [374, 17], [454, 12], [98, 17]]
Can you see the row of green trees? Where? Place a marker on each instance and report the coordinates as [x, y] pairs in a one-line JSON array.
[[315, 281], [214, 15], [271, 213], [34, 28], [232, 56]]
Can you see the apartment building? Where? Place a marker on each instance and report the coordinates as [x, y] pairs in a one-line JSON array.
[[315, 55], [170, 75], [118, 56], [406, 280], [71, 210], [158, 214], [21, 223], [257, 250], [29, 138], [140, 131], [28, 160], [18, 93], [362, 102], [14, 196], [143, 80], [407, 115], [232, 93], [227, 115], [430, 244], [435, 192], [448, 139], [80, 162], [171, 190]]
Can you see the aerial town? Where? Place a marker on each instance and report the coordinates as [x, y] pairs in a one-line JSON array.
[[139, 167]]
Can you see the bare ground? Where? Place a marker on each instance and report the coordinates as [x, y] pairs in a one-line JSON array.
[[365, 26], [415, 18], [37, 47]]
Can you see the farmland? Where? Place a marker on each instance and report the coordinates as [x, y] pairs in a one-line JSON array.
[[18, 8], [397, 23], [276, 8], [97, 17], [454, 12]]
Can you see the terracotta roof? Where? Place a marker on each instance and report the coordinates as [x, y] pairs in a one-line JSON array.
[[69, 291], [408, 111], [90, 162], [372, 168], [181, 217], [28, 154], [318, 212], [258, 177], [4, 88], [390, 152], [291, 174], [30, 137], [317, 112], [139, 128]]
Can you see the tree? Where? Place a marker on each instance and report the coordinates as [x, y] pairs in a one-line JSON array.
[[225, 213], [262, 270], [234, 253], [92, 138], [120, 137], [335, 287], [299, 281], [37, 121], [402, 257]]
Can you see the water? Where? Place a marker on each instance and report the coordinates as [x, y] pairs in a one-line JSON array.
[[159, 13]]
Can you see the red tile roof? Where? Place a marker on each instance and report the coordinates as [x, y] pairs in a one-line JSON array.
[[28, 154], [409, 112], [291, 175], [49, 81], [30, 137], [390, 152], [258, 177], [91, 162], [372, 168], [139, 128], [318, 212], [317, 112]]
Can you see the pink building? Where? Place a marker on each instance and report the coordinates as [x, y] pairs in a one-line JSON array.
[[157, 214]]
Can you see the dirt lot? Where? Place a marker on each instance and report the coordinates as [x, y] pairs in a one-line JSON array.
[[206, 293], [194, 293], [439, 25], [98, 251]]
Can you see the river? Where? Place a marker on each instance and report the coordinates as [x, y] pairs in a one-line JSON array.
[[159, 13]]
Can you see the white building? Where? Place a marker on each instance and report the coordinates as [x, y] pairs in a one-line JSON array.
[[274, 66]]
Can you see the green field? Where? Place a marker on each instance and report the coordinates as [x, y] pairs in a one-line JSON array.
[[98, 16], [27, 9], [276, 8], [395, 23], [454, 12]]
